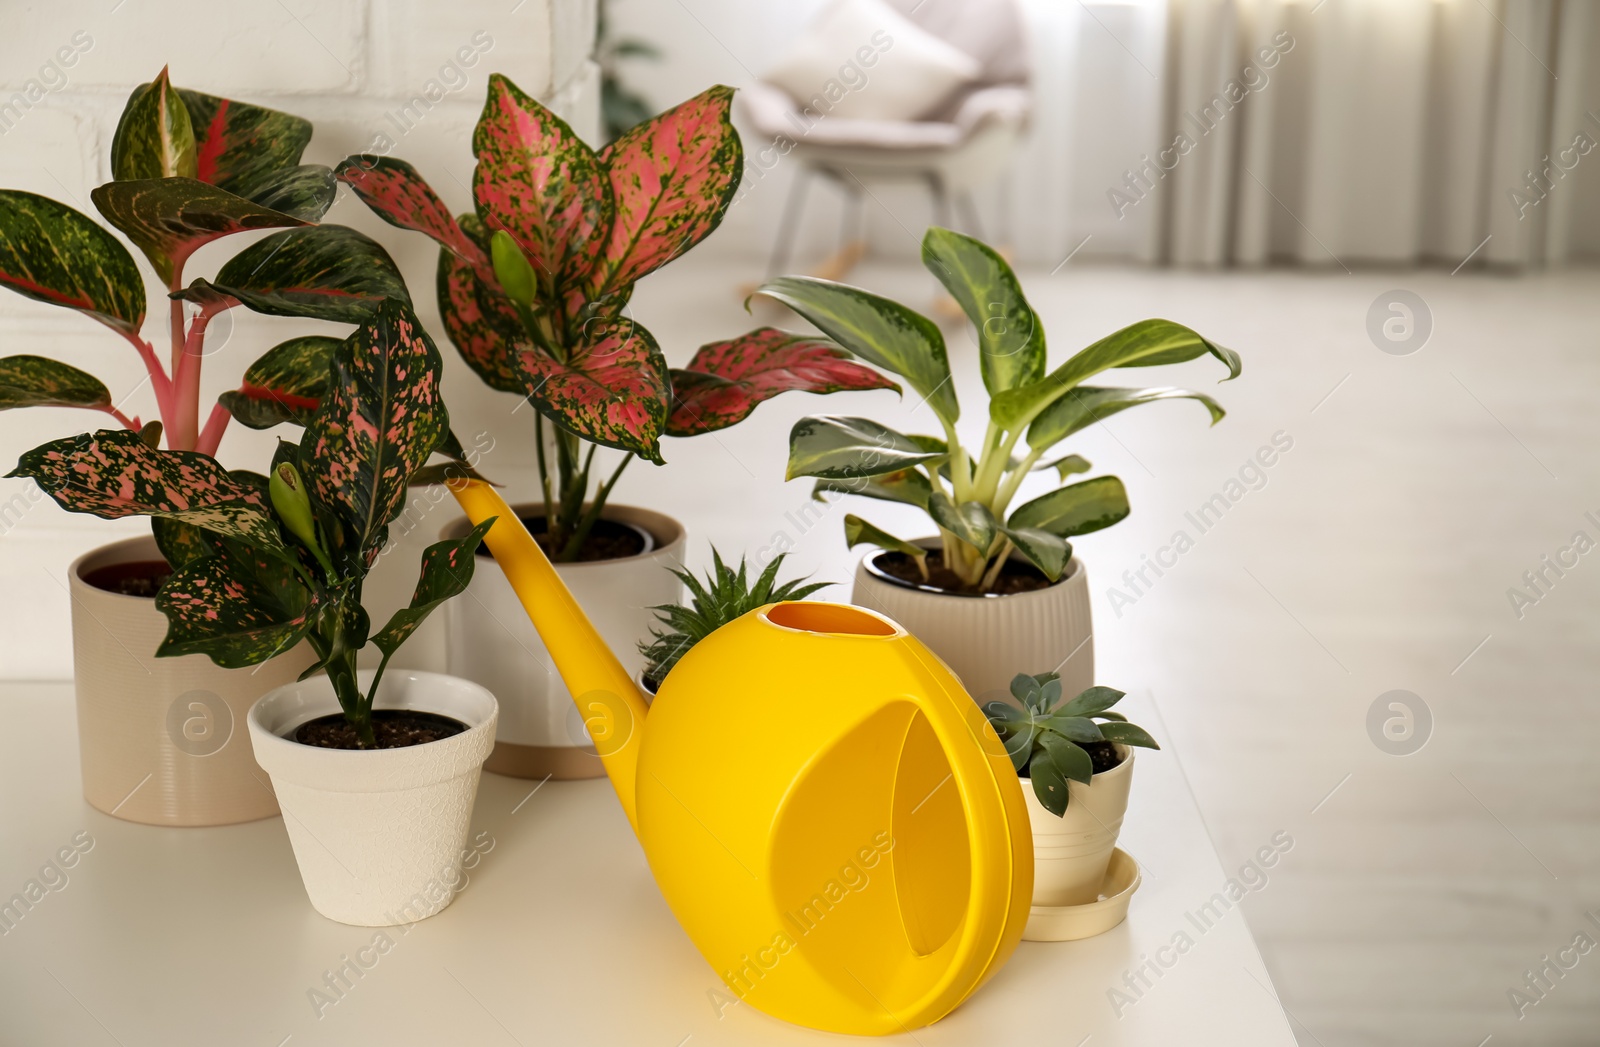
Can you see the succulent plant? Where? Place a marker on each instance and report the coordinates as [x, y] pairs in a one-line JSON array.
[[1047, 738], [725, 595]]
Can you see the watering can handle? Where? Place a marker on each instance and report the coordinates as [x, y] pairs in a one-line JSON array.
[[606, 697]]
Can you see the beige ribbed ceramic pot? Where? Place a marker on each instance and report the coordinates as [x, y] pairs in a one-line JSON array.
[[988, 639], [491, 642], [162, 740]]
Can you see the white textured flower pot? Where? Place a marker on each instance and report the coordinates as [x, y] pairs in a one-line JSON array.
[[162, 740], [986, 640], [378, 834], [1070, 853], [492, 642]]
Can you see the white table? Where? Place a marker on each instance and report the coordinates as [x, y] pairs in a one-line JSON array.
[[168, 937]]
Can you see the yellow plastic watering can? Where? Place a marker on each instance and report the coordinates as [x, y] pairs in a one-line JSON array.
[[825, 809]]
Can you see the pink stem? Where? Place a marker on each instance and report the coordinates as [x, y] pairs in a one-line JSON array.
[[159, 382], [127, 423], [186, 382], [216, 425]]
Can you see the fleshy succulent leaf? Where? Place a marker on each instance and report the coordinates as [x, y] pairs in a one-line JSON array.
[[38, 381], [1127, 734], [286, 385], [1073, 762], [1094, 700], [380, 420], [672, 179], [726, 380], [52, 253], [1049, 781]]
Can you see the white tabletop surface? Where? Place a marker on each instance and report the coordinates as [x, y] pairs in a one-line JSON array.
[[169, 937]]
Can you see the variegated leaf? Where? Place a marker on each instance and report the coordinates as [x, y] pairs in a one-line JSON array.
[[54, 254], [380, 421], [286, 385], [446, 569], [154, 138], [1075, 509], [908, 486], [672, 179], [726, 380], [481, 323], [170, 218], [239, 145], [237, 605], [537, 180], [113, 473], [613, 391], [37, 381], [325, 272], [400, 196], [181, 543]]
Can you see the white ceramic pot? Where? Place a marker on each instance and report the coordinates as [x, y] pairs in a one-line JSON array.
[[378, 834], [988, 639], [492, 642], [162, 740], [1070, 853]]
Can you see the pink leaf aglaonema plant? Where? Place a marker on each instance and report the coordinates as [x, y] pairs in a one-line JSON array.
[[533, 283], [188, 169], [262, 563]]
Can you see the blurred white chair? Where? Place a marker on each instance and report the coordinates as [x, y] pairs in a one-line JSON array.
[[944, 102]]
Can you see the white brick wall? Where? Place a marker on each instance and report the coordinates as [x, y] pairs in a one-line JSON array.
[[356, 69]]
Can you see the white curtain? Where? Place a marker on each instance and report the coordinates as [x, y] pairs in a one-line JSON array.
[[1386, 131]]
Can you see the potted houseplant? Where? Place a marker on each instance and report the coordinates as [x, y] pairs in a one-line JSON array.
[[1076, 765], [160, 740], [725, 594], [376, 772], [531, 287], [998, 586]]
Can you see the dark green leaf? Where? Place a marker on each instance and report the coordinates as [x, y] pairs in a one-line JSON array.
[[113, 473], [381, 419], [972, 522], [154, 138], [181, 544], [1046, 551], [1088, 404], [1127, 734], [37, 381], [1010, 337], [325, 272], [1147, 343], [238, 606], [286, 385], [909, 486], [1074, 728], [1073, 763], [880, 331], [239, 144], [840, 448], [1025, 689], [1049, 781], [1076, 509], [858, 531], [51, 253], [446, 570], [1093, 700]]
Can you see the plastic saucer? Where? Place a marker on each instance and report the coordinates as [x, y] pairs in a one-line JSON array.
[[1066, 923]]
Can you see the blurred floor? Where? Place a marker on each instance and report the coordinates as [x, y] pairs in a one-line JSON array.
[[1374, 555]]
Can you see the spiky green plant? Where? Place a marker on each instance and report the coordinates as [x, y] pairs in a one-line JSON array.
[[1047, 737], [725, 595]]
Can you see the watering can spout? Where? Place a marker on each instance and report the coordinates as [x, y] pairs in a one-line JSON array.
[[611, 706]]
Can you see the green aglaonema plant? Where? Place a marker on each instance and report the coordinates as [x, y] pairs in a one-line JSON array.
[[1051, 741], [187, 169], [725, 594], [532, 285], [968, 493], [261, 563]]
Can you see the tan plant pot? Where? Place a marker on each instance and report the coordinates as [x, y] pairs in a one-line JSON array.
[[1070, 853], [988, 639], [491, 642], [162, 740]]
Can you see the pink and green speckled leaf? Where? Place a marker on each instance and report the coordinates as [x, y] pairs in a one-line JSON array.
[[236, 605], [380, 421], [113, 473], [446, 570], [672, 179], [726, 380], [400, 196], [537, 180], [480, 320], [613, 391]]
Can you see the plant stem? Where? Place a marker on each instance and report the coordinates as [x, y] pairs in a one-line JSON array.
[[159, 382], [987, 581], [1008, 490], [127, 423], [216, 425], [544, 467], [580, 533]]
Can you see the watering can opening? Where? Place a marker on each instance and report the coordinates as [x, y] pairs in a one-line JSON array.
[[839, 619]]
